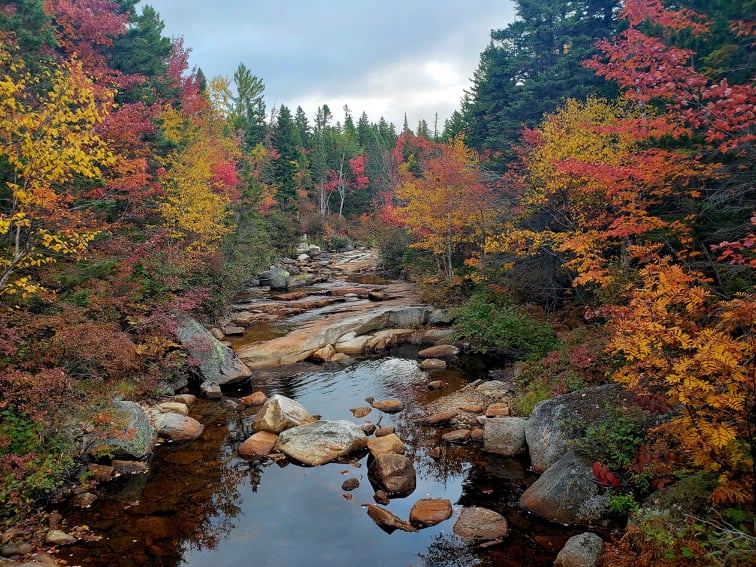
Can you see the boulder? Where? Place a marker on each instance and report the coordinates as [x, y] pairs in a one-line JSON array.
[[555, 424], [280, 413], [322, 441], [477, 524], [394, 474], [498, 410], [351, 343], [187, 399], [388, 406], [217, 362], [127, 435], [388, 521], [275, 278], [57, 537], [254, 399], [439, 351], [386, 444], [324, 354], [258, 445], [350, 484], [430, 511], [211, 390], [383, 431], [504, 436], [177, 427], [582, 550], [567, 493]]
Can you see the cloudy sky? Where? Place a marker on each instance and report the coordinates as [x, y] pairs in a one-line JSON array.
[[383, 57]]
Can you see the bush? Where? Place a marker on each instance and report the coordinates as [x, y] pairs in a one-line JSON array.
[[503, 328]]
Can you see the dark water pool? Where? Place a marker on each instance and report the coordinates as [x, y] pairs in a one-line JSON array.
[[200, 505]]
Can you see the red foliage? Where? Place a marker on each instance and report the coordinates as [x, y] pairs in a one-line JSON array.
[[603, 475]]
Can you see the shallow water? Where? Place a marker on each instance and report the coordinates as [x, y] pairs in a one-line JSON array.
[[200, 505]]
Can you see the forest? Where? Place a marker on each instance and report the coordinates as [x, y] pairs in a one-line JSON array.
[[589, 210]]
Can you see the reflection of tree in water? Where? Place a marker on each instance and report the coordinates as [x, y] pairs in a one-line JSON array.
[[448, 550]]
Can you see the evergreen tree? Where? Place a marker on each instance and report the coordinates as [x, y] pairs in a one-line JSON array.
[[288, 145], [300, 119], [248, 112], [29, 25], [422, 129]]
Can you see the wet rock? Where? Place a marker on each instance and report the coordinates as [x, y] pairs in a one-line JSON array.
[[432, 364], [436, 336], [504, 436], [555, 424], [477, 524], [83, 500], [187, 399], [439, 351], [436, 384], [582, 550], [388, 521], [383, 431], [100, 473], [351, 343], [129, 433], [476, 434], [130, 467], [322, 441], [211, 390], [385, 445], [381, 497], [258, 445], [217, 363], [254, 399], [57, 537], [10, 549], [456, 436], [177, 427], [430, 511], [275, 278], [360, 412], [436, 418], [394, 474], [389, 406], [567, 493], [324, 354], [368, 428], [350, 484], [472, 408], [280, 413], [233, 330], [498, 410], [435, 453], [173, 407]]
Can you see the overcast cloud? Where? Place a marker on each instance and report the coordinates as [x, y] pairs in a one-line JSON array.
[[383, 57]]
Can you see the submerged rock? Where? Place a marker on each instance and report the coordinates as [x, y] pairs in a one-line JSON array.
[[394, 474], [177, 427], [258, 445], [322, 441], [280, 413], [388, 406]]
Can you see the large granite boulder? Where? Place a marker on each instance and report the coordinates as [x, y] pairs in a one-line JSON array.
[[555, 424], [394, 474], [321, 442], [127, 435], [275, 278], [217, 363], [280, 413], [567, 493]]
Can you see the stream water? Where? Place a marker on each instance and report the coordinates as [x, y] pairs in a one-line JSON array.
[[201, 505]]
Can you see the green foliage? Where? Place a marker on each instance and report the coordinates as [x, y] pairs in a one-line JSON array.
[[505, 328], [622, 504], [614, 440], [532, 395]]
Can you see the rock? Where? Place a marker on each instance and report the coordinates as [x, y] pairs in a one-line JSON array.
[[303, 258], [254, 399], [388, 521], [130, 467], [436, 336], [83, 500], [368, 428], [100, 473], [350, 484], [351, 343], [128, 434], [555, 424], [432, 364], [477, 524], [294, 296], [389, 406], [476, 434], [376, 295], [57, 537], [324, 354], [498, 410], [233, 330], [386, 444], [381, 497], [211, 390], [217, 363], [360, 412], [258, 445], [383, 431], [217, 333], [275, 278], [394, 474], [435, 453], [436, 384], [504, 436], [456, 436], [187, 399], [582, 550], [439, 351], [436, 418], [280, 413], [173, 407], [20, 548], [430, 511], [322, 441], [472, 408], [177, 427], [567, 493], [492, 388]]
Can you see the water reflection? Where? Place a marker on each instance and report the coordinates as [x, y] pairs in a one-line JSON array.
[[201, 505]]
